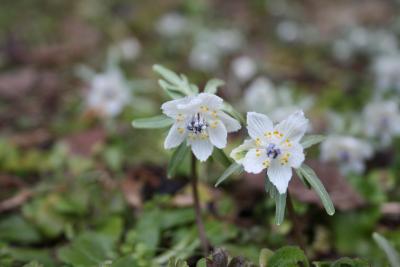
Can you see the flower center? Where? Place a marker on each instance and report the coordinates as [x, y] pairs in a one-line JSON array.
[[197, 124], [273, 151]]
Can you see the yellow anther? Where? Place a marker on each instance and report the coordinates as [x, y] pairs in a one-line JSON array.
[[268, 134], [181, 130], [214, 124], [266, 163], [288, 143], [258, 141], [214, 114], [258, 152]]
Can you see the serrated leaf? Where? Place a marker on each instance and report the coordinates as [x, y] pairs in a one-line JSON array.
[[311, 140], [167, 74], [212, 86], [176, 159], [392, 255], [221, 157], [288, 256], [234, 167], [160, 121], [310, 176]]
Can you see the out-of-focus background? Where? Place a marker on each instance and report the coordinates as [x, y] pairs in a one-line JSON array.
[[80, 187]]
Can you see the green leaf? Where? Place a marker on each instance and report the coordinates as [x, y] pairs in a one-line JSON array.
[[220, 156], [212, 86], [289, 257], [177, 158], [127, 261], [171, 90], [227, 108], [310, 140], [310, 176], [173, 262], [88, 249], [350, 263], [234, 167], [33, 264], [160, 121], [303, 180], [167, 74], [280, 202], [392, 255], [265, 256], [16, 229]]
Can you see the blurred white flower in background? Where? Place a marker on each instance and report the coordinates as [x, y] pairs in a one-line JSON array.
[[244, 68], [348, 152], [127, 49], [363, 40], [108, 93], [211, 46], [386, 68], [288, 31], [275, 148], [172, 25], [382, 120], [278, 103]]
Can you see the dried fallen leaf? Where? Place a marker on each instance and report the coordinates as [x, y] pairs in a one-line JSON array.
[[83, 143]]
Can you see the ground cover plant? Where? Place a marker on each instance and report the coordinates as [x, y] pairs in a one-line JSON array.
[[199, 133]]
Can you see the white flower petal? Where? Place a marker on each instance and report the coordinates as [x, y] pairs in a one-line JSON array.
[[258, 124], [170, 108], [279, 175], [294, 127], [231, 124], [296, 157], [202, 149], [175, 136], [254, 159], [218, 134], [210, 100]]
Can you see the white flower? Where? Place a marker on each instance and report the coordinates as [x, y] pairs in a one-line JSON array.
[[349, 152], [382, 120], [210, 47], [387, 72], [278, 103], [109, 93], [243, 68], [128, 49], [200, 121], [289, 31], [172, 25], [275, 148]]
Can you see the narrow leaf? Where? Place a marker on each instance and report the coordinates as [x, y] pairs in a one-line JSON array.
[[235, 167], [177, 158], [233, 113], [303, 180], [310, 140], [160, 121], [280, 205], [391, 253], [212, 86], [310, 176], [219, 155], [167, 74]]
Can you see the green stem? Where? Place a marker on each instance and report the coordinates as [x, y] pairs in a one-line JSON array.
[[197, 209]]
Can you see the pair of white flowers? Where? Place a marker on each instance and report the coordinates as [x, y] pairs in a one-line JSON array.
[[201, 121]]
